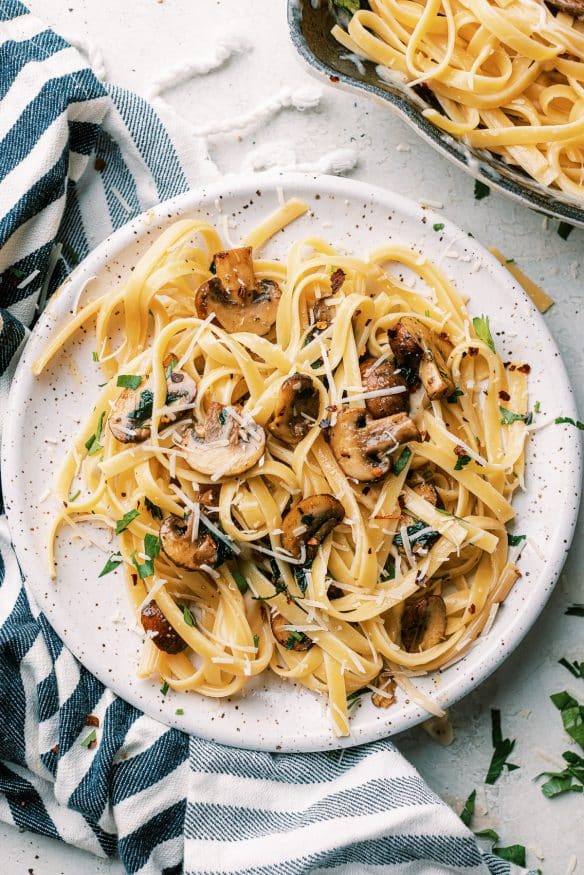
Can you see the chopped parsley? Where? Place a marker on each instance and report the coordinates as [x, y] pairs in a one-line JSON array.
[[576, 668], [402, 460], [153, 509], [509, 261], [438, 226], [144, 409], [461, 462], [165, 688], [515, 540], [128, 381], [425, 540], [114, 560], [241, 582], [93, 444], [564, 230], [256, 641], [569, 780], [454, 395], [179, 712], [483, 330], [469, 808], [76, 496], [560, 420], [95, 356], [481, 190], [170, 367], [349, 5], [388, 572], [502, 749], [151, 549], [90, 738], [537, 407], [575, 611], [187, 616], [488, 833], [572, 713], [508, 417], [122, 525], [295, 637], [513, 854]]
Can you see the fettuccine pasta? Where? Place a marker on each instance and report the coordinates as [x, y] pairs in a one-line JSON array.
[[507, 74], [308, 466]]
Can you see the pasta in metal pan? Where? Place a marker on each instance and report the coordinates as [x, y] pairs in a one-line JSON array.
[[507, 74], [308, 466]]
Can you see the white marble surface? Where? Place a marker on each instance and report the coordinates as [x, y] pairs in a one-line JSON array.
[[139, 40]]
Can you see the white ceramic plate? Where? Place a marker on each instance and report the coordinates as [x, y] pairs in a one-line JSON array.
[[93, 615]]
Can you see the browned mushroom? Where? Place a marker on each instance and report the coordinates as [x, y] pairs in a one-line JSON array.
[[362, 445], [209, 501], [226, 444], [129, 419], [416, 347], [176, 539], [238, 300], [386, 683], [382, 378], [296, 409], [166, 637], [423, 623], [429, 492], [289, 638], [572, 7], [308, 522]]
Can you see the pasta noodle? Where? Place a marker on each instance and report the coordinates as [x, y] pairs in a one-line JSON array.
[[312, 478], [507, 74]]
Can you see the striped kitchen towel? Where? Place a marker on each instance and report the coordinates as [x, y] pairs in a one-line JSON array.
[[77, 159]]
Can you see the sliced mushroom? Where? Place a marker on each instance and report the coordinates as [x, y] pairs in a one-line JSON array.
[[572, 7], [239, 301], [223, 446], [423, 623], [386, 683], [176, 539], [166, 637], [296, 409], [290, 639], [308, 522], [417, 347], [362, 445], [209, 500], [128, 421], [382, 377], [429, 492], [337, 279]]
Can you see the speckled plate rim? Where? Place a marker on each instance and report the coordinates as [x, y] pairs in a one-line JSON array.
[[457, 681], [527, 193]]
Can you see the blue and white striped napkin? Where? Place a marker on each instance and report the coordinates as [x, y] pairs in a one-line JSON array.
[[78, 158]]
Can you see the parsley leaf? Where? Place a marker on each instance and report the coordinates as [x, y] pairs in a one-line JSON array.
[[151, 549], [95, 356], [481, 190], [564, 230], [256, 641], [75, 496], [454, 395], [438, 226], [576, 668], [483, 330], [144, 409], [187, 616], [488, 834], [572, 713], [165, 688], [508, 417], [349, 5], [469, 808], [125, 521], [93, 444], [502, 749], [575, 611], [355, 697], [560, 420], [515, 540], [241, 582], [179, 711], [153, 509], [461, 461], [537, 407], [513, 854], [129, 381], [170, 367], [402, 460], [114, 560], [90, 738]]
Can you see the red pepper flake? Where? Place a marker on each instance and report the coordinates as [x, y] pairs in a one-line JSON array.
[[459, 451], [91, 720], [337, 279], [334, 78], [55, 748], [524, 369], [473, 350], [472, 609], [504, 396], [99, 164]]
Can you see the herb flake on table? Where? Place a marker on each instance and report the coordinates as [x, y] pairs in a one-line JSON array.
[[513, 854], [564, 230], [114, 560], [483, 330], [576, 610], [515, 540], [469, 808], [438, 226], [93, 444], [575, 668], [572, 714], [128, 381], [503, 748], [481, 190], [122, 525], [90, 739]]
